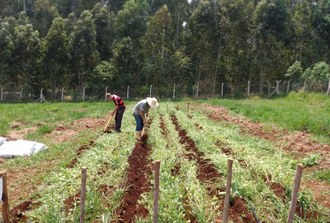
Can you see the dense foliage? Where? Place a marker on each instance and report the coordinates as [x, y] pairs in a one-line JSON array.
[[75, 44]]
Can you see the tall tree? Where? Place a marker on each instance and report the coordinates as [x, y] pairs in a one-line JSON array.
[[24, 56], [43, 16], [130, 26], [55, 56], [104, 25], [132, 19], [6, 48], [202, 24], [115, 5], [158, 49], [302, 32], [321, 24], [271, 19], [235, 59], [84, 56]]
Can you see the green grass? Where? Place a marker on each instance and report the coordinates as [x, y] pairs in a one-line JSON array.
[[323, 175], [110, 152], [46, 114], [297, 111]]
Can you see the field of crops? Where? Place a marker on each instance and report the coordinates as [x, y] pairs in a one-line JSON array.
[[193, 142]]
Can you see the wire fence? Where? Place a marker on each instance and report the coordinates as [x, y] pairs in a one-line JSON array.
[[225, 90]]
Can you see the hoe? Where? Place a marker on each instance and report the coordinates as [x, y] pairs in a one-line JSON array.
[[107, 126]]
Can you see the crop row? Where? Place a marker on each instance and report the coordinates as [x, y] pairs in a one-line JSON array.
[[193, 151]]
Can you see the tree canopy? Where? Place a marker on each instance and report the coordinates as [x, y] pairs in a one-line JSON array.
[[75, 44]]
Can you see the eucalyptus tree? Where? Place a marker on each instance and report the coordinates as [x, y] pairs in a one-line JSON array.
[[132, 19], [6, 48], [321, 26], [54, 61], [125, 64], [43, 15], [271, 19], [24, 57], [70, 23], [302, 32], [87, 4], [235, 43], [179, 10], [9, 8], [204, 45], [84, 56], [130, 25], [158, 48], [115, 5], [23, 19], [104, 25]]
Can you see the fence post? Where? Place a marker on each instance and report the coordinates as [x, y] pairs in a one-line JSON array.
[[288, 87], [41, 97], [156, 191], [4, 197], [328, 92], [83, 194], [127, 94], [294, 195], [84, 94], [105, 94], [227, 196], [174, 91], [248, 90], [21, 94], [197, 91], [150, 91], [222, 90], [278, 87], [62, 94], [1, 94]]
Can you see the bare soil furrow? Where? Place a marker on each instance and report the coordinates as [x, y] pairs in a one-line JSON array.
[[137, 182]]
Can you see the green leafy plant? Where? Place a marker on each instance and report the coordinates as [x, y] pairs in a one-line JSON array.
[[311, 160]]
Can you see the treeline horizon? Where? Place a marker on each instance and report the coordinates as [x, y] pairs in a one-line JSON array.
[[72, 44]]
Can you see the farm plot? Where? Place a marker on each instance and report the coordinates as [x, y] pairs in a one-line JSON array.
[[193, 149]]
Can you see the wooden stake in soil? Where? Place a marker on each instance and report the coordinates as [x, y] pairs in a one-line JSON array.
[[4, 197], [156, 191], [83, 194], [227, 196], [188, 107], [294, 195]]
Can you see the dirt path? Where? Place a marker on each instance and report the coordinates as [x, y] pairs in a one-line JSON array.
[[298, 144], [136, 183]]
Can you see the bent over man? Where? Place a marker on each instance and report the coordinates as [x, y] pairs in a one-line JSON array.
[[140, 112], [119, 109]]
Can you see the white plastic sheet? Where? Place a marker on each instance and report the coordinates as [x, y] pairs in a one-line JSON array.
[[20, 148], [2, 140]]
